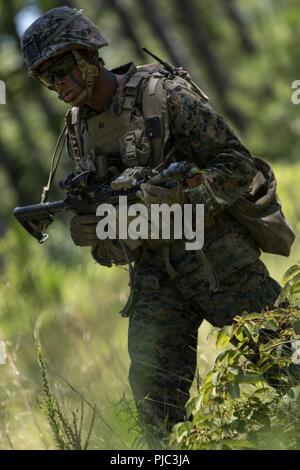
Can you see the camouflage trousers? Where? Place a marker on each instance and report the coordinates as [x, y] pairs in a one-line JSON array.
[[163, 327]]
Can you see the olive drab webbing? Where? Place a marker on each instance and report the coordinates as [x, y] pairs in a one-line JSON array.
[[140, 138], [130, 134], [56, 156], [89, 73], [74, 141]]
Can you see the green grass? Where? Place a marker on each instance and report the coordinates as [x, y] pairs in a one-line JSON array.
[[58, 292]]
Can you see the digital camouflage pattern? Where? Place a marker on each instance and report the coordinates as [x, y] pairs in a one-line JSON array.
[[202, 135], [163, 327], [164, 314], [57, 31]]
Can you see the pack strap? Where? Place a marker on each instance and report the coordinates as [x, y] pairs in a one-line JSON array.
[[59, 146], [131, 89], [156, 117], [74, 139]]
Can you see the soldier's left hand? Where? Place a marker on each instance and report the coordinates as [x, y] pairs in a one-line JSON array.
[[153, 194]]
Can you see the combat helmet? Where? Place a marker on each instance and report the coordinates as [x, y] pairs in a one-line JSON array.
[[57, 31]]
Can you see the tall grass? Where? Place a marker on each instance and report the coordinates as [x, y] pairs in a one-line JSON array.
[[58, 290]]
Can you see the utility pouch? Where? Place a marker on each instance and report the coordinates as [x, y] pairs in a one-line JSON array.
[[260, 212]]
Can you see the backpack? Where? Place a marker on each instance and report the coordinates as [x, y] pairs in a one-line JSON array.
[[260, 212]]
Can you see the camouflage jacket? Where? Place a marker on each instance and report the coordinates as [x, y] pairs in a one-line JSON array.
[[202, 136]]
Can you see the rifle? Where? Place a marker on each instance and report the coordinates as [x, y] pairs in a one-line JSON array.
[[84, 194]]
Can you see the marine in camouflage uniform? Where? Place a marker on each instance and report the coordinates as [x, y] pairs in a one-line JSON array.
[[164, 313]]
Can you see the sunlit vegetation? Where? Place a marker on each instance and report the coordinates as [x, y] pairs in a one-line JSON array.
[[74, 393]]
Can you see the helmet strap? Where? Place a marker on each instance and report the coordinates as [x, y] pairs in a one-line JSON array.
[[89, 73]]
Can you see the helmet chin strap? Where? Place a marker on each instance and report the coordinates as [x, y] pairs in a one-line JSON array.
[[89, 73]]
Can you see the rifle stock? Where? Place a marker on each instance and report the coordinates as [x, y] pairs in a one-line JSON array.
[[34, 216]]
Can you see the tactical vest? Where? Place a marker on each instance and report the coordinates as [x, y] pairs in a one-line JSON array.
[[136, 135]]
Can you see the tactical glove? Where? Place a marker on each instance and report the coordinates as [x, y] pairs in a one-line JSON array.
[[83, 230], [105, 252], [153, 194]]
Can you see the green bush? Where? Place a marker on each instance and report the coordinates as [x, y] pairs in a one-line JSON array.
[[250, 398]]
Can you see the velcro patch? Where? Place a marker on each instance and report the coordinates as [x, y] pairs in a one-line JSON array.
[[153, 129]]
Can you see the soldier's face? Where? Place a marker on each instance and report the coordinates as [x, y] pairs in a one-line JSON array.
[[63, 76]]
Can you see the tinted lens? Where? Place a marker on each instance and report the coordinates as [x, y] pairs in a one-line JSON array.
[[58, 69]]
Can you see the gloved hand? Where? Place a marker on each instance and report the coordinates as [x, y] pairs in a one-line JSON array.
[[153, 194], [83, 230]]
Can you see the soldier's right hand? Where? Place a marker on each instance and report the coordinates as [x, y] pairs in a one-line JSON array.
[[83, 230]]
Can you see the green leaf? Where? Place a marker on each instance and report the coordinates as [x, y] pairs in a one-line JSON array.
[[215, 378], [229, 354], [295, 280], [291, 393], [234, 370], [250, 377], [261, 418], [271, 325], [222, 339], [296, 327], [259, 391], [284, 294], [233, 390], [218, 400], [252, 331], [232, 358], [240, 425], [291, 273], [295, 288], [262, 360], [239, 334]]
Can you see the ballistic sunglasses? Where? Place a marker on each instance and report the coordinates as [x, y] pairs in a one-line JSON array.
[[58, 69]]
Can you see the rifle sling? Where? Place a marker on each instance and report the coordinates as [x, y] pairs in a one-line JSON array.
[[54, 163]]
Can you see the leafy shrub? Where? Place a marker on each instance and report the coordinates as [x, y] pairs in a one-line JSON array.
[[250, 398]]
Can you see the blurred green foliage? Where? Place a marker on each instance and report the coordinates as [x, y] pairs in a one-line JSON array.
[[56, 289]]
